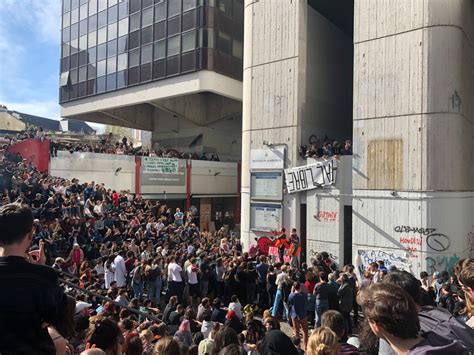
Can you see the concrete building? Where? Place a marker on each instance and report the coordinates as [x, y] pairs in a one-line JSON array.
[[402, 84]]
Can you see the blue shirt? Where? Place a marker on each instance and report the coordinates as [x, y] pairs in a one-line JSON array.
[[298, 303]]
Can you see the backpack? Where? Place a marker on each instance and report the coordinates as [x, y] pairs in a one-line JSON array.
[[154, 273], [443, 323]]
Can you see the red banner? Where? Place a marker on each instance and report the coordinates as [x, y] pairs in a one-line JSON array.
[[33, 150]]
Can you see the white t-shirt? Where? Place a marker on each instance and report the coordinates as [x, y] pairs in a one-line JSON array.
[[192, 275], [174, 272]]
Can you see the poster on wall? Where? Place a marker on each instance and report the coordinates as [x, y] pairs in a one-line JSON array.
[[265, 217], [311, 176], [267, 158], [266, 185], [162, 171]]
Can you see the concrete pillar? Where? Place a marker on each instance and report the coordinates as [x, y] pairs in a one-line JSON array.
[[413, 132], [274, 63]]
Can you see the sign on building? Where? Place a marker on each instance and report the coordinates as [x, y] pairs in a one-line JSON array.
[[163, 171], [267, 158], [266, 185], [311, 176], [265, 217]]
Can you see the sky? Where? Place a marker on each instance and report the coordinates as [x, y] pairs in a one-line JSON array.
[[29, 56]]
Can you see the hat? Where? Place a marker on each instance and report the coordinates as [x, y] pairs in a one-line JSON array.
[[81, 306], [59, 260]]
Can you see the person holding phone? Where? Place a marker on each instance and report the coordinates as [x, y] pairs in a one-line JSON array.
[[31, 296]]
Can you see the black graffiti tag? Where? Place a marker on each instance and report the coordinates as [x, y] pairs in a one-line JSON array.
[[438, 242]]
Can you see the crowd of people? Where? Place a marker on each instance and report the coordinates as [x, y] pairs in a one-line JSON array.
[[88, 270], [325, 148], [107, 144]]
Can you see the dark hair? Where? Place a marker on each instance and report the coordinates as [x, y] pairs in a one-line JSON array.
[[105, 334], [16, 221], [391, 307], [423, 274], [207, 315], [225, 336], [333, 320], [234, 298], [135, 346], [406, 281]]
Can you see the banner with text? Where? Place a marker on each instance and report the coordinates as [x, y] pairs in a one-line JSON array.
[[162, 171], [311, 176]]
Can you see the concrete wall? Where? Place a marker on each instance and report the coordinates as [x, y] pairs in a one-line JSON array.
[[328, 103], [274, 79], [325, 213], [10, 123], [213, 178], [96, 167]]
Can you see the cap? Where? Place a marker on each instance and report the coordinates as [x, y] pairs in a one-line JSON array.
[[81, 306]]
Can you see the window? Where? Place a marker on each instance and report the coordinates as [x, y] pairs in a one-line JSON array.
[[92, 23], [189, 41], [90, 87], [224, 43], [75, 31], [174, 26], [102, 51], [189, 20], [83, 12], [111, 65], [75, 16], [82, 74], [66, 5], [172, 66], [174, 45], [237, 49], [174, 8], [101, 66], [102, 5], [92, 55], [123, 27], [102, 35], [74, 45], [147, 54], [122, 44], [147, 35], [113, 12], [74, 4], [133, 75], [134, 58], [160, 12], [82, 58], [145, 72], [160, 50], [134, 22], [92, 39], [147, 17], [66, 19], [111, 82], [121, 79], [160, 30], [122, 61], [74, 60], [91, 72], [188, 4], [225, 6], [65, 49], [135, 6], [66, 35], [101, 84], [73, 76], [134, 39], [112, 31], [159, 69], [102, 19], [123, 10], [82, 27], [146, 3], [64, 79], [92, 7], [83, 43], [112, 48]]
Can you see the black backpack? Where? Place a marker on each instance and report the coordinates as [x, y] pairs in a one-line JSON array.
[[440, 321]]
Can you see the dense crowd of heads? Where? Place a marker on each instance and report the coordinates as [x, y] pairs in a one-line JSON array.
[[139, 277], [325, 148]]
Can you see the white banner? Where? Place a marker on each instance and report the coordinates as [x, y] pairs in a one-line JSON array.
[[153, 165], [311, 176]]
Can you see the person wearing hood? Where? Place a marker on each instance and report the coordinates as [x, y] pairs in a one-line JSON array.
[[275, 342], [392, 315]]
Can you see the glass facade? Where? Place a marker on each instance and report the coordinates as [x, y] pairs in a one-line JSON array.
[[107, 45]]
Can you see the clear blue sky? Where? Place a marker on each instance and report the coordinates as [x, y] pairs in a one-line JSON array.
[[29, 56]]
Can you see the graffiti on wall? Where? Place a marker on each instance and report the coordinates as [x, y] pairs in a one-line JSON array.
[[326, 216], [440, 263], [391, 258], [434, 240]]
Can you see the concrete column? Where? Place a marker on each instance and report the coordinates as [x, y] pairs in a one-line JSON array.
[[413, 132]]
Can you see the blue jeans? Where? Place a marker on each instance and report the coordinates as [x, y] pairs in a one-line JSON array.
[[278, 299], [321, 307], [154, 291], [137, 289]]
